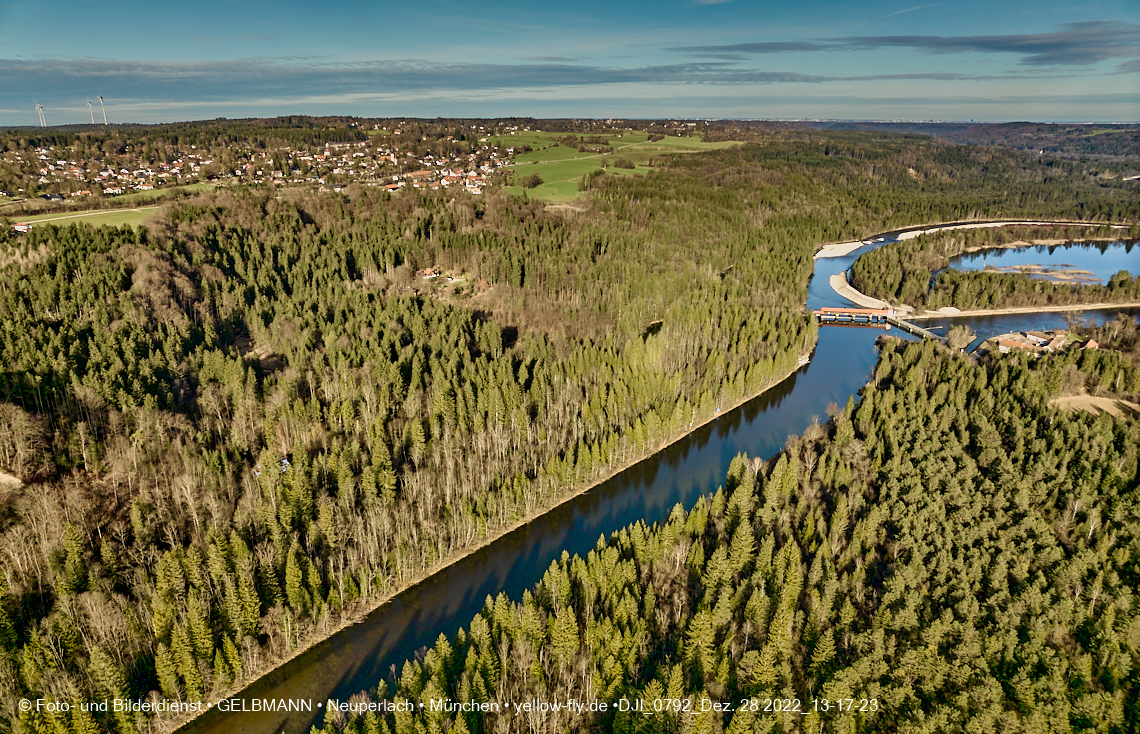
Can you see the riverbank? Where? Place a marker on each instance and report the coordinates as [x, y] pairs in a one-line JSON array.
[[840, 285], [953, 312], [910, 234], [362, 613], [839, 249]]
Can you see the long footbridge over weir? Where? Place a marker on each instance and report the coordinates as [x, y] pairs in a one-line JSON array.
[[870, 317]]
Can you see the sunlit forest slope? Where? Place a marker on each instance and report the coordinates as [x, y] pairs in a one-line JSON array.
[[236, 427]]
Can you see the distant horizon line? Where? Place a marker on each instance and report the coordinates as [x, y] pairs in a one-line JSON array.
[[880, 121]]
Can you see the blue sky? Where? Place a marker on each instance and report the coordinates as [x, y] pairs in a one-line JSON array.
[[1047, 60]]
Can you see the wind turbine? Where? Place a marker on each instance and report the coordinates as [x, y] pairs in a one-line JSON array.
[[90, 110], [40, 112], [102, 107]]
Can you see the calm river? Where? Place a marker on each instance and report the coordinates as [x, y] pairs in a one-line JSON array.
[[359, 657]]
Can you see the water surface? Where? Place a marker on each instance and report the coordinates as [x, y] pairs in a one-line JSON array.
[[1101, 259]]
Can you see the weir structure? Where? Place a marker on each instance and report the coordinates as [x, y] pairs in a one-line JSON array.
[[854, 315], [869, 317]]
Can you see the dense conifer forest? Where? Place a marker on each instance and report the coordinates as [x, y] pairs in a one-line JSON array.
[[951, 554], [915, 272], [238, 426], [1104, 144]]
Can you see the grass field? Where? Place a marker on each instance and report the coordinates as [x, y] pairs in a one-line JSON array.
[[146, 202], [112, 217], [531, 138], [562, 169], [142, 196]]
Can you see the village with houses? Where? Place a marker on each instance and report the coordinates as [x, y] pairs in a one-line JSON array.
[[62, 178], [39, 177], [95, 170]]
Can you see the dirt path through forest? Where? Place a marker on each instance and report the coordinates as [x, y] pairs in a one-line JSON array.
[[1096, 406]]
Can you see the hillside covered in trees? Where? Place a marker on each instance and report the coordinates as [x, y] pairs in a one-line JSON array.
[[1103, 144], [915, 272], [238, 426], [950, 555]]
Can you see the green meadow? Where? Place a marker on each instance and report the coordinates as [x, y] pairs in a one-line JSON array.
[[146, 203], [112, 217], [562, 168], [142, 196]]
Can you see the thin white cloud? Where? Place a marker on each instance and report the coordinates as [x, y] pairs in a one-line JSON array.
[[1074, 44], [239, 80], [909, 10]]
